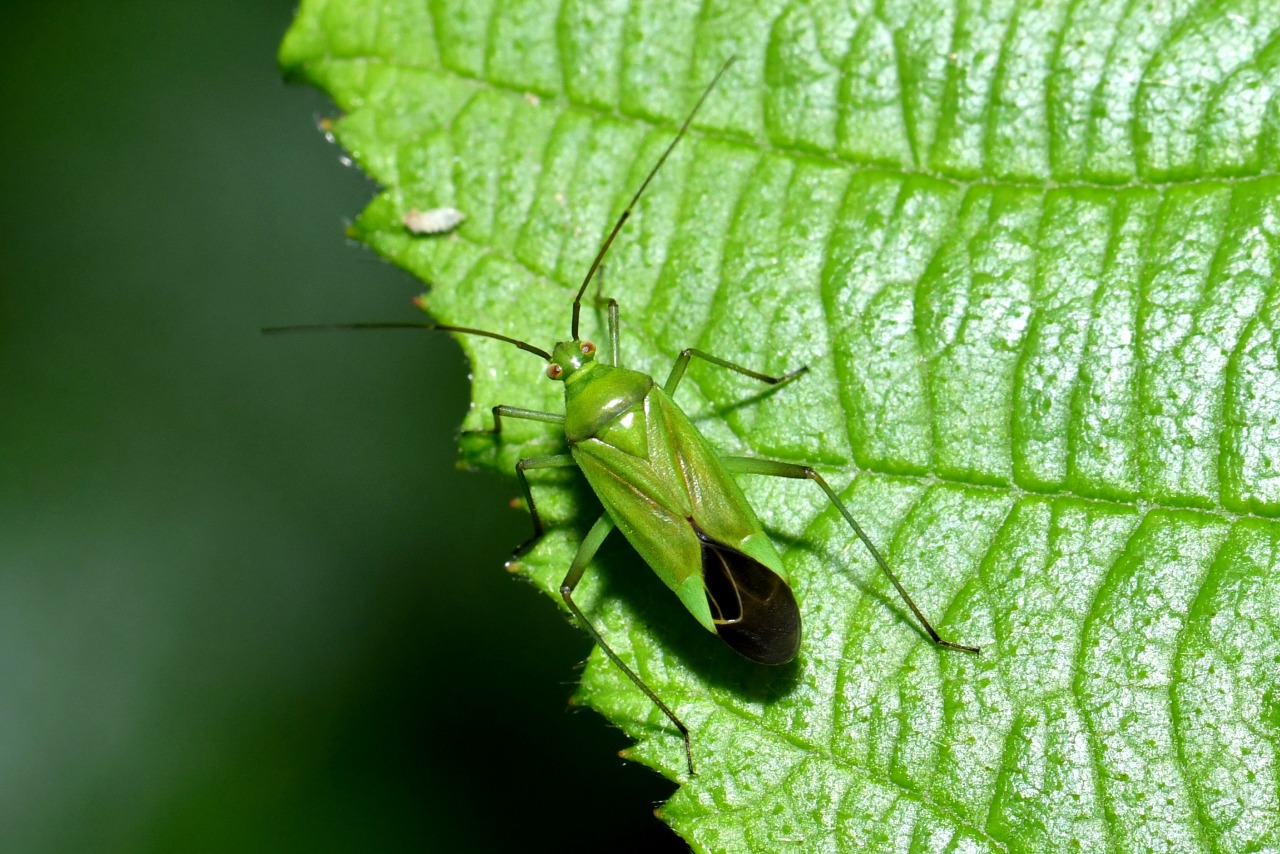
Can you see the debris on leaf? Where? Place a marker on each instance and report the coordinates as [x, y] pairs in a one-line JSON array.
[[433, 221]]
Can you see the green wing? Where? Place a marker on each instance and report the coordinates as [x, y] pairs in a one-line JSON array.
[[669, 494]]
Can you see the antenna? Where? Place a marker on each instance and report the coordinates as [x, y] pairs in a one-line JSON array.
[[335, 327], [595, 265]]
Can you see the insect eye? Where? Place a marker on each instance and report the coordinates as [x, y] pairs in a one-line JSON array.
[[554, 371], [587, 348]]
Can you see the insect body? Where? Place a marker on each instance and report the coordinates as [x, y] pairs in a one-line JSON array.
[[667, 490], [674, 499], [670, 493]]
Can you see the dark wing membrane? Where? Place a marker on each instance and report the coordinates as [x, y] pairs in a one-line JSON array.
[[754, 610]]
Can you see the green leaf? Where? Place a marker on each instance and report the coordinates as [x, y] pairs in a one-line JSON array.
[[1029, 252]]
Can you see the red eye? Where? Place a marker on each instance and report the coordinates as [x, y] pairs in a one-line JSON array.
[[587, 348], [554, 371]]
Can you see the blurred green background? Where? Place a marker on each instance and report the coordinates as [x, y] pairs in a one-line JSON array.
[[247, 602]]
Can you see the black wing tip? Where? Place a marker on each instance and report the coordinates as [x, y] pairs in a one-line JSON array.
[[769, 650], [757, 614]]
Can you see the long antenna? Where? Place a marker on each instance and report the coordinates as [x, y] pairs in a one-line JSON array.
[[438, 327], [595, 265]]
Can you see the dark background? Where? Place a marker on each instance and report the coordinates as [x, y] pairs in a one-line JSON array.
[[247, 602]]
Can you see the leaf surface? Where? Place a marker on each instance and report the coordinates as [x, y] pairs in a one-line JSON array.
[[1029, 252]]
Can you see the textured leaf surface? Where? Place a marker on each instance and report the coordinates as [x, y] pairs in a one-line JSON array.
[[1029, 251]]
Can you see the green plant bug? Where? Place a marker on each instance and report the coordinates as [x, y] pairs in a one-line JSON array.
[[664, 487]]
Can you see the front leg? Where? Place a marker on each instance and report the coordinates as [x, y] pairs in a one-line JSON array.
[[556, 461], [553, 461], [682, 363], [515, 412]]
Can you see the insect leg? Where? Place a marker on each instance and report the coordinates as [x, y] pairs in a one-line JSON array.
[[754, 465], [613, 332], [682, 363], [516, 412], [556, 461], [590, 544], [611, 305]]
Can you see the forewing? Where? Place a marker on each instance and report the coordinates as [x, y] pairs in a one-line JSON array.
[[754, 610], [686, 516], [649, 512]]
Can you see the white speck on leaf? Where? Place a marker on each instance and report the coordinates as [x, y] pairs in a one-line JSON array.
[[433, 221]]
